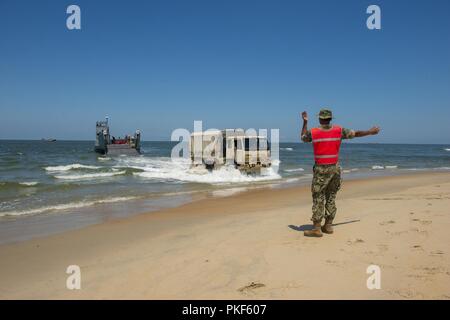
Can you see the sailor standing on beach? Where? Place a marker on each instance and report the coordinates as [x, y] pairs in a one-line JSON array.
[[326, 182]]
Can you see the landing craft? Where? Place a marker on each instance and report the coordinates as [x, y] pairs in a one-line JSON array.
[[107, 144]]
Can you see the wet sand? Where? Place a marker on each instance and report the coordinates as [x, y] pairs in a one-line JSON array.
[[251, 246]]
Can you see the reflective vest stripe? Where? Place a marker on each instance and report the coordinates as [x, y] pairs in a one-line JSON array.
[[326, 139], [326, 156]]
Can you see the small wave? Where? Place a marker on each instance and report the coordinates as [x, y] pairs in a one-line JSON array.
[[391, 167], [89, 175], [294, 170], [287, 149], [70, 167], [5, 185], [29, 183], [377, 167], [292, 180], [103, 158], [228, 192], [447, 149], [66, 206]]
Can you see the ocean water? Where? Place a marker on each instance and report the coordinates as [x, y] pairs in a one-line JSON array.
[[64, 178]]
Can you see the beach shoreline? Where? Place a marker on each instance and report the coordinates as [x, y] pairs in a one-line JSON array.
[[29, 226], [215, 248]]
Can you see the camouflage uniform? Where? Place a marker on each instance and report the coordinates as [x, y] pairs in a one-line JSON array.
[[326, 182]]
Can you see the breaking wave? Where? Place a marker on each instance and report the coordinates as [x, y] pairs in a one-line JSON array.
[[384, 167], [71, 167], [29, 183], [89, 175], [66, 206], [5, 185], [294, 170], [180, 170]]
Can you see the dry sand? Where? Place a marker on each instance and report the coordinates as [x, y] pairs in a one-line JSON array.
[[251, 246]]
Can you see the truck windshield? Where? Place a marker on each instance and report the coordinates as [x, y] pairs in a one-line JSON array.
[[253, 144]]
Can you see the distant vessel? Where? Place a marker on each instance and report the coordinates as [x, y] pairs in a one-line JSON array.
[[216, 148], [107, 144], [48, 140]]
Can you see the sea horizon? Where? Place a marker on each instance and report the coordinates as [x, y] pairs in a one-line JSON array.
[[298, 142]]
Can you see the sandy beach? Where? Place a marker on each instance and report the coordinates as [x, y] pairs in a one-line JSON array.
[[251, 246]]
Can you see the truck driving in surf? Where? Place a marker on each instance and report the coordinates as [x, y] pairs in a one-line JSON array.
[[214, 148]]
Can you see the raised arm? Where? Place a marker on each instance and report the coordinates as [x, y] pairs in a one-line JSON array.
[[371, 131], [305, 125]]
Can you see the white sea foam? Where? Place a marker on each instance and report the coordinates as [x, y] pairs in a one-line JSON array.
[[89, 175], [350, 170], [291, 180], [377, 167], [28, 183], [70, 167], [103, 158], [65, 206], [287, 149], [294, 170], [180, 170], [447, 149], [391, 167]]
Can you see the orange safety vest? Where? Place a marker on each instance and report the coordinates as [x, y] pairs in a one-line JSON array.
[[326, 144]]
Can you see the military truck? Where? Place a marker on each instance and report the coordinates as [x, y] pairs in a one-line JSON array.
[[215, 148]]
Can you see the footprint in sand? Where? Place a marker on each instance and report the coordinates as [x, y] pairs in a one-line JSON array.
[[424, 222], [437, 253], [408, 293], [417, 247], [355, 241], [251, 287], [334, 263], [387, 222], [397, 233], [433, 270]]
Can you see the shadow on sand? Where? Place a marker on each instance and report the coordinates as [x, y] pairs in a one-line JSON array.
[[305, 227]]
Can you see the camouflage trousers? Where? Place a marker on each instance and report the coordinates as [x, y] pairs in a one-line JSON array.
[[325, 185]]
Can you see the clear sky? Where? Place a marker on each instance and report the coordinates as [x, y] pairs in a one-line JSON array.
[[160, 65]]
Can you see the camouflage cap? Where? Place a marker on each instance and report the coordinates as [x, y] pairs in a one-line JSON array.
[[325, 114]]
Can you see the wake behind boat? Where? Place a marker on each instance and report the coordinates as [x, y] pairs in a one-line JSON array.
[[107, 144]]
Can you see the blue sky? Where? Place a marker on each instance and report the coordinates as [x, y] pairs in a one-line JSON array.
[[160, 65]]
